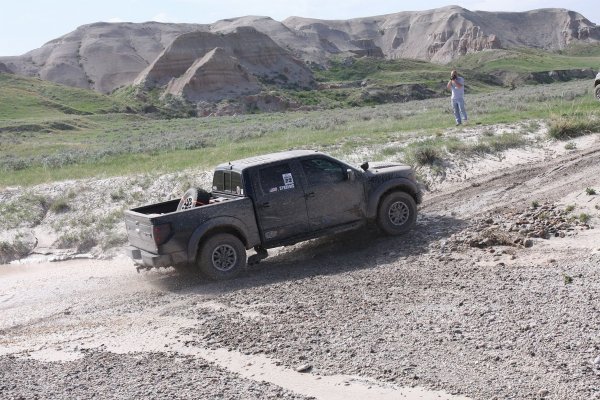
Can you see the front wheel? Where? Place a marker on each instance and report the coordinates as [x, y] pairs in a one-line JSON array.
[[222, 256], [598, 92], [397, 213]]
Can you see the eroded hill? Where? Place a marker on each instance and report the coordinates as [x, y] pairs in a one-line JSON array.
[[106, 56]]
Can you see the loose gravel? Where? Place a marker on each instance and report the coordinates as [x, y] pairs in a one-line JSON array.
[[458, 305], [105, 375]]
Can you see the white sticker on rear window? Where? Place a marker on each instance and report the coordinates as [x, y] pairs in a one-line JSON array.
[[287, 179], [288, 182]]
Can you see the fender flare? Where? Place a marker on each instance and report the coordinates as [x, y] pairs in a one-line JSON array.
[[403, 184], [221, 224]]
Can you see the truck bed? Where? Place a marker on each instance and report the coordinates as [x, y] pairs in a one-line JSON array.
[[144, 222]]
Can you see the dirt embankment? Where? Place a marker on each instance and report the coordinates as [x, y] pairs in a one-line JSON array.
[[476, 303]]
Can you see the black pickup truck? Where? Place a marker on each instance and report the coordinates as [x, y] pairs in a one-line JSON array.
[[269, 201]]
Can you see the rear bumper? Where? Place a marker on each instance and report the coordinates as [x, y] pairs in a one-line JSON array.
[[144, 259]]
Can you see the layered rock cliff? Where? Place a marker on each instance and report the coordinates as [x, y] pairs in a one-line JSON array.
[[255, 52], [100, 56], [106, 56], [215, 76], [442, 34]]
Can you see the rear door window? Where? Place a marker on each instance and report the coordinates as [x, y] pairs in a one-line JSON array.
[[276, 178]]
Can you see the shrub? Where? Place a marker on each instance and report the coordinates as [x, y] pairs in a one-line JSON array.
[[10, 251], [590, 191], [568, 127], [584, 218], [113, 240], [60, 205], [118, 195], [426, 155], [26, 210], [83, 241], [505, 141], [567, 279]]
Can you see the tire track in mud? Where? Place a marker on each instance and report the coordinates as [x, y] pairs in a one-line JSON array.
[[518, 186]]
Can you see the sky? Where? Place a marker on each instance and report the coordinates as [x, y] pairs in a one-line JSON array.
[[28, 24]]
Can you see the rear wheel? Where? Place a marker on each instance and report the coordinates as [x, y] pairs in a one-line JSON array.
[[397, 213], [222, 256]]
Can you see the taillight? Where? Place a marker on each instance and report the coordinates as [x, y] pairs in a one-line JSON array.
[[161, 233]]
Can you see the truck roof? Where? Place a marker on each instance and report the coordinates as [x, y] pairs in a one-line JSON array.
[[266, 159]]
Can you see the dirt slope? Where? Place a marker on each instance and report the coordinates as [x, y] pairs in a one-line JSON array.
[[550, 181], [372, 316]]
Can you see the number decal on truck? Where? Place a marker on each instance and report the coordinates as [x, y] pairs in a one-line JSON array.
[[288, 182]]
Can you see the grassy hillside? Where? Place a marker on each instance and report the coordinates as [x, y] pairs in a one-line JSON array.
[[50, 132], [113, 144], [477, 67], [396, 72], [30, 99], [531, 60], [367, 81]]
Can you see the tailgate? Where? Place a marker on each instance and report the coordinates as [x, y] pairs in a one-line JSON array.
[[139, 231]]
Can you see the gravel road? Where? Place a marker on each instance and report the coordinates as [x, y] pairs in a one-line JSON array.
[[474, 304]]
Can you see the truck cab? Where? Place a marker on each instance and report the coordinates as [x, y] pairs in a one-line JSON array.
[[302, 195]]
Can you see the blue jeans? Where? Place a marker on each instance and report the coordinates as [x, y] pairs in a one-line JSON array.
[[458, 106]]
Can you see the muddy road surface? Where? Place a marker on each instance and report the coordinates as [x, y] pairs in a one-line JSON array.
[[495, 295]]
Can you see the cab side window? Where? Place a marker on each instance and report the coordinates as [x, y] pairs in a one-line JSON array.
[[276, 178], [319, 171]]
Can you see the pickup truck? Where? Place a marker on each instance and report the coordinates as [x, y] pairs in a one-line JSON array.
[[269, 201]]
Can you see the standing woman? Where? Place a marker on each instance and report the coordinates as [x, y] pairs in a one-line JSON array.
[[457, 86]]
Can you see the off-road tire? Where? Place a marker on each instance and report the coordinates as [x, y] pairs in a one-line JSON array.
[[222, 256], [397, 213], [598, 92]]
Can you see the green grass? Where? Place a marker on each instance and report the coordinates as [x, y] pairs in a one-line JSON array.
[[434, 151], [572, 125], [411, 71], [581, 50], [530, 60], [120, 144], [392, 74], [35, 99]]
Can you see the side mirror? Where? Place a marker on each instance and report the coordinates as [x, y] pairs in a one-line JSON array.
[[350, 175]]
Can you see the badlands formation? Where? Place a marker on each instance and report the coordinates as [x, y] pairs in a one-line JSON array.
[[239, 56]]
